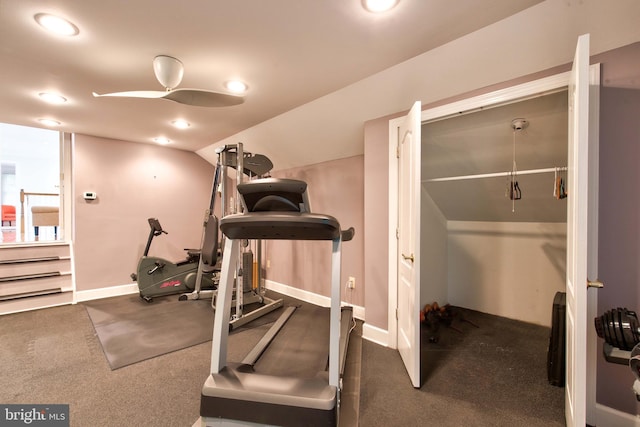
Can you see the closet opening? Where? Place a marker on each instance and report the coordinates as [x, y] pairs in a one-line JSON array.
[[493, 239]]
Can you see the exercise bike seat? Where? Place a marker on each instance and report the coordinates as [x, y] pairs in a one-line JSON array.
[[193, 255]]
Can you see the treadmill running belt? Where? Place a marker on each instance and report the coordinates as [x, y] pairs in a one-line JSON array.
[[301, 348]]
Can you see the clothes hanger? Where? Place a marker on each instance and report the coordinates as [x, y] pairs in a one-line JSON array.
[[559, 188], [517, 193]]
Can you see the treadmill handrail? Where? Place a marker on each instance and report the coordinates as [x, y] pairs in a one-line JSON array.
[[348, 234]]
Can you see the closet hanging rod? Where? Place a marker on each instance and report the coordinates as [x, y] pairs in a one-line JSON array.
[[496, 174]]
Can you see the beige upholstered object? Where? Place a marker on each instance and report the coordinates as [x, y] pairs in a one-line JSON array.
[[44, 216]]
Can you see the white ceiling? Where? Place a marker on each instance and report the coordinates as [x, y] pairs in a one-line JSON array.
[[290, 52]]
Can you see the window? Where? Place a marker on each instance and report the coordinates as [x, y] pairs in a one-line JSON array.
[[30, 166]]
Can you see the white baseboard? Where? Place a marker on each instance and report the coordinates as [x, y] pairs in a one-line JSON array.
[[609, 417], [39, 302], [111, 291], [310, 297], [375, 334]]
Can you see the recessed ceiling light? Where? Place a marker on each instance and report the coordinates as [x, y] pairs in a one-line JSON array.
[[49, 122], [379, 5], [236, 86], [52, 98], [181, 124], [56, 24], [162, 140]]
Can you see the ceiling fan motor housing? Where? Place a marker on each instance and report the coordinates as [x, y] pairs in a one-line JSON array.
[[168, 70]]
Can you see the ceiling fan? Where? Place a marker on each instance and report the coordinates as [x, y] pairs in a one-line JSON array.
[[169, 72]]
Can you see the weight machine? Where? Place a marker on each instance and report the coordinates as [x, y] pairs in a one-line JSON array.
[[248, 271]]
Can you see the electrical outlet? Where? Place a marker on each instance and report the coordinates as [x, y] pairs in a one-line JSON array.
[[351, 283]]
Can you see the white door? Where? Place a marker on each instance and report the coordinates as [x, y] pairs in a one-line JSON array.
[[581, 233], [408, 307]]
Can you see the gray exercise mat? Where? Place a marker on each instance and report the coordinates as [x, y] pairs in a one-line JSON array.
[[131, 330]]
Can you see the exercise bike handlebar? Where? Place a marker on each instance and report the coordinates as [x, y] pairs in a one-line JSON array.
[[156, 230]]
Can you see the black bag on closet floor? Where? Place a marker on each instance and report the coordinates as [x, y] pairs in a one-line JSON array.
[[556, 354]]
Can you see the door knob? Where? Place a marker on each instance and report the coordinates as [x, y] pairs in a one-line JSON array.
[[595, 284], [408, 257]]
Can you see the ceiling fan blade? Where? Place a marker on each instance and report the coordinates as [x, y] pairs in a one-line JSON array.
[[194, 97], [135, 94], [202, 98]]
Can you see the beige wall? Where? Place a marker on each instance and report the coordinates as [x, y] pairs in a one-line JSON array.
[[376, 221], [434, 260], [133, 182], [508, 269], [335, 188]]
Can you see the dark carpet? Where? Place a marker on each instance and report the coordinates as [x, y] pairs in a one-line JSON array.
[[490, 375], [494, 375], [53, 355]]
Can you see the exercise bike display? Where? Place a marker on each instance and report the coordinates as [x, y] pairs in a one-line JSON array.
[[158, 277]]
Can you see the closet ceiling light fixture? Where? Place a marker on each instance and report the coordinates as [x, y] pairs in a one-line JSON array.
[[513, 190], [377, 6], [519, 124], [52, 98], [56, 24]]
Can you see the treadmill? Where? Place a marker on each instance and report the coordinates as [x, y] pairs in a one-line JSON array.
[[234, 394]]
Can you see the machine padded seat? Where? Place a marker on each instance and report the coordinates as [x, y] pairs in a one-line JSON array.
[[274, 194], [249, 396], [280, 225]]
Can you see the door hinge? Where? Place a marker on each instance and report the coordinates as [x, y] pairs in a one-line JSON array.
[[396, 314], [398, 151], [397, 233]]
